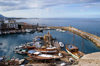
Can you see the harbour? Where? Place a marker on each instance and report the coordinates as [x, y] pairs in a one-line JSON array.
[[43, 50], [62, 34], [49, 33]]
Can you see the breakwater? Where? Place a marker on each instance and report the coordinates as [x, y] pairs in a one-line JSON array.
[[95, 39]]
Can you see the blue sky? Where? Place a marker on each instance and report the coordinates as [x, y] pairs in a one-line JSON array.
[[50, 8]]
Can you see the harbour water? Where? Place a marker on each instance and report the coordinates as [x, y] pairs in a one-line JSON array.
[[88, 25]]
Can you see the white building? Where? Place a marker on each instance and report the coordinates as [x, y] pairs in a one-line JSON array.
[[11, 24]]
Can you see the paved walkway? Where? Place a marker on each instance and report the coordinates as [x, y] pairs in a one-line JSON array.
[[92, 59]]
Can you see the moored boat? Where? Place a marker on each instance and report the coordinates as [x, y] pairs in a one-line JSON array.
[[39, 56], [52, 50], [29, 47], [20, 51], [60, 30], [73, 50], [28, 30], [61, 44]]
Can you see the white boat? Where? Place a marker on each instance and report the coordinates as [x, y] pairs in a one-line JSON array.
[[61, 44], [18, 47], [39, 56], [48, 28], [28, 30], [52, 50], [60, 30], [21, 61], [63, 31], [20, 51]]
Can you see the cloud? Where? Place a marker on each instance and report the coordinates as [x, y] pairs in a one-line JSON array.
[[7, 5]]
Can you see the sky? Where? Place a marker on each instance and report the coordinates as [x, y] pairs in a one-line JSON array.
[[50, 8]]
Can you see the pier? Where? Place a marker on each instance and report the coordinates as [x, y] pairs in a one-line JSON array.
[[95, 39]]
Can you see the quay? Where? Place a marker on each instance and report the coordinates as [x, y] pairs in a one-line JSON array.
[[95, 39], [11, 26]]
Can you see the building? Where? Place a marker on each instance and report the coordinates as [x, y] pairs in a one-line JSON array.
[[23, 25], [2, 25], [1, 22], [12, 24]]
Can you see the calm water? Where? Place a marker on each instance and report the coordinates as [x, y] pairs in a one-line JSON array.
[[88, 25]]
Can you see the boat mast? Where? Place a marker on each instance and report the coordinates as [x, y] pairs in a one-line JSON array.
[[82, 47], [73, 38], [49, 39]]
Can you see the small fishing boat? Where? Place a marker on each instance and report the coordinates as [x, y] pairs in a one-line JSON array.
[[73, 50], [21, 61], [49, 48], [39, 56], [57, 29], [52, 50], [1, 59], [20, 51], [60, 30], [29, 47], [23, 49], [63, 31], [47, 28], [28, 30]]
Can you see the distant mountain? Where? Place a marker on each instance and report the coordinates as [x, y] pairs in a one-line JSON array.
[[1, 16]]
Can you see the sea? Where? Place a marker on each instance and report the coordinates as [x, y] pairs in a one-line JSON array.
[[91, 25]]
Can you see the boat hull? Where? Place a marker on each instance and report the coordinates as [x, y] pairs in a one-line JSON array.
[[29, 47], [47, 51], [76, 57], [73, 51], [37, 57]]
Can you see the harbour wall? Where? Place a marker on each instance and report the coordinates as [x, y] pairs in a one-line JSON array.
[[95, 39]]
